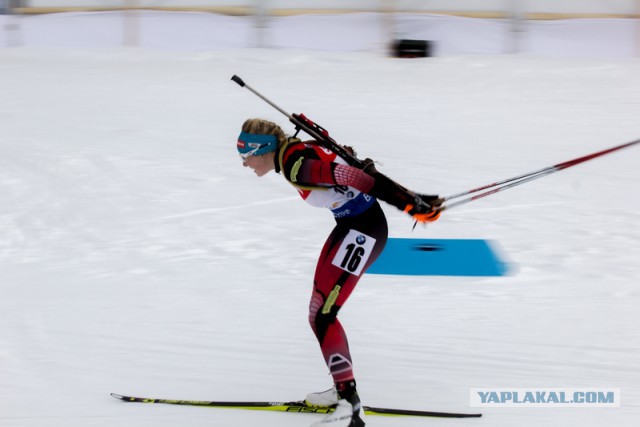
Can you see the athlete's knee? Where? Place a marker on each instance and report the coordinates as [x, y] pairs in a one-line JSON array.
[[314, 308], [321, 315]]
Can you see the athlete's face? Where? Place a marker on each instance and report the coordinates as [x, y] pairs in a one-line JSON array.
[[260, 164]]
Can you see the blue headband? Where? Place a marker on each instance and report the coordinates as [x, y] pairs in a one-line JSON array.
[[256, 144]]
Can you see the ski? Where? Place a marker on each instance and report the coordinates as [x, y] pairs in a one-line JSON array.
[[296, 406]]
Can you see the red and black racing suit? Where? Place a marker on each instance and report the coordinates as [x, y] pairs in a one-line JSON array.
[[325, 180]]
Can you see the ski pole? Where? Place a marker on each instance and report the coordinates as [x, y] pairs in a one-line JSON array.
[[499, 183], [495, 190], [521, 179]]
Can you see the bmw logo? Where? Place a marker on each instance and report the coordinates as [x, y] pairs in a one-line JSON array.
[[361, 239]]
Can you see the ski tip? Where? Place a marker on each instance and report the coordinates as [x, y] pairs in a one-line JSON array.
[[409, 412], [117, 396]]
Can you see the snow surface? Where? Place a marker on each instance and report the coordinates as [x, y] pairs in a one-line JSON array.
[[137, 256]]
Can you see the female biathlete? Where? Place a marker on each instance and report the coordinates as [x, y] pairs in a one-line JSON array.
[[325, 180]]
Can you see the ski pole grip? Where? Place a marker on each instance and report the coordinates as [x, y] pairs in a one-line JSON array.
[[237, 80]]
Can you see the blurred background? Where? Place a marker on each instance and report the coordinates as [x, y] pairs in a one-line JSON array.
[[584, 28], [138, 256]]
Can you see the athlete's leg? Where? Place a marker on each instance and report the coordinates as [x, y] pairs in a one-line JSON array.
[[334, 282]]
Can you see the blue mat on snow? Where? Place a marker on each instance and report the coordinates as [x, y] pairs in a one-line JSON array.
[[439, 257]]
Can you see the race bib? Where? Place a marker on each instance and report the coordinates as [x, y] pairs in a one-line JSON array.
[[354, 252]]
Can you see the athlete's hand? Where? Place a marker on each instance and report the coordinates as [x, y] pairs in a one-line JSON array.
[[425, 208], [432, 200]]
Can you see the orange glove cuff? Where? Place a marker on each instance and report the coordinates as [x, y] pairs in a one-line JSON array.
[[427, 217], [430, 216]]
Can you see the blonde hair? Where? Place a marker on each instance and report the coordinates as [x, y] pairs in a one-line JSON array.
[[264, 127]]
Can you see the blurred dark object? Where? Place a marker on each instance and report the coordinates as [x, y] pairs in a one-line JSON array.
[[7, 6], [411, 48]]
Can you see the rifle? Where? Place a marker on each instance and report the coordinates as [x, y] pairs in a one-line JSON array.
[[314, 130], [321, 135]]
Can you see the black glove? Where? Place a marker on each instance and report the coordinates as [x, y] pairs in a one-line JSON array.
[[422, 207], [426, 208]]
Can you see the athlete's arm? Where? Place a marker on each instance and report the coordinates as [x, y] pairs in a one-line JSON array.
[[315, 172]]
